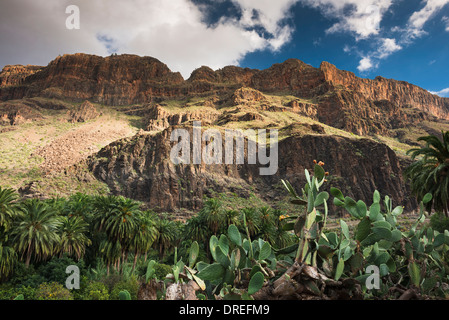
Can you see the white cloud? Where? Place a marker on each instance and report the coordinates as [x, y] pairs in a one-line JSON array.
[[388, 47], [359, 17], [370, 61], [445, 20], [419, 18], [442, 93], [362, 19], [268, 13], [365, 64], [33, 31]]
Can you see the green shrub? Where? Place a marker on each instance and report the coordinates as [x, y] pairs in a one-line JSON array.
[[161, 270], [96, 290], [78, 294], [439, 222], [9, 292], [26, 276], [29, 293], [131, 285], [54, 270], [53, 291], [33, 281], [111, 280]]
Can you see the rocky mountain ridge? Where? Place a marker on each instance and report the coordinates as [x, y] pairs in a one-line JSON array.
[[344, 101], [315, 109]]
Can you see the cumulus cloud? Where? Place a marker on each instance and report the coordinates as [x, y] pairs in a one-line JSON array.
[[413, 30], [265, 13], [359, 17], [34, 31], [268, 15], [419, 18], [386, 47], [365, 64], [442, 93], [362, 19]]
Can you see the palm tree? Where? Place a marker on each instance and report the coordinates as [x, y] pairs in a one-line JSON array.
[[253, 221], [35, 231], [73, 236], [267, 225], [58, 204], [119, 218], [231, 217], [121, 221], [102, 207], [196, 229], [430, 173], [212, 214], [111, 253], [144, 237], [167, 233], [8, 259], [8, 211], [7, 207], [80, 205]]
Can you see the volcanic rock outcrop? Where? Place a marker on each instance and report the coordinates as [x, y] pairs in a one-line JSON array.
[[15, 75], [140, 168], [17, 113], [85, 112], [157, 118]]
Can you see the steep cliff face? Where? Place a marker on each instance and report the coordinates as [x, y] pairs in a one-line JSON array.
[[361, 106], [229, 75], [292, 76], [376, 106], [15, 75], [114, 80], [140, 167], [400, 93], [157, 118], [358, 166], [347, 102]]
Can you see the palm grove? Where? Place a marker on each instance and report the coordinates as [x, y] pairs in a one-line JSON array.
[[112, 238]]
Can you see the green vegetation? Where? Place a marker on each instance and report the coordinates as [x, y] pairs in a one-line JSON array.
[[430, 174], [230, 249], [111, 239], [252, 253]]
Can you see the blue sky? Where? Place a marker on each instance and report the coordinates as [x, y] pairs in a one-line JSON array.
[[400, 39]]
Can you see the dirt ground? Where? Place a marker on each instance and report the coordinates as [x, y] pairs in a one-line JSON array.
[[81, 142], [33, 150]]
